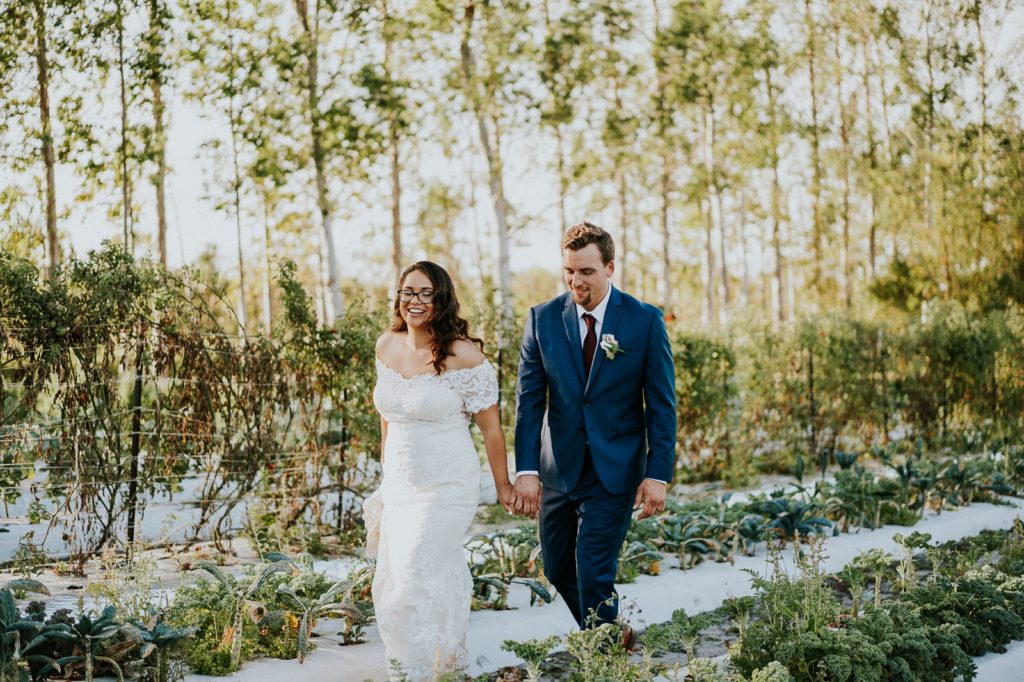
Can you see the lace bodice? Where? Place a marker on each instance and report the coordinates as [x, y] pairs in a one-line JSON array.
[[435, 397]]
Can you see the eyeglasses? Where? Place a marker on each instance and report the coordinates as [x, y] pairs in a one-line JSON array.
[[423, 296]]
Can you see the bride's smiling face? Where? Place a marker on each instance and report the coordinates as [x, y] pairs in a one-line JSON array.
[[586, 275], [416, 312]]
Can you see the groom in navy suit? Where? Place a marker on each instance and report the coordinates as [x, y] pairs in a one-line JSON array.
[[595, 424]]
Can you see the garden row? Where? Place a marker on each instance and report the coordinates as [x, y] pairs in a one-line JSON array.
[[208, 627], [214, 624], [931, 610], [720, 529]]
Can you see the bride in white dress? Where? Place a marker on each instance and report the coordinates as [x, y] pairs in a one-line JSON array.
[[432, 378]]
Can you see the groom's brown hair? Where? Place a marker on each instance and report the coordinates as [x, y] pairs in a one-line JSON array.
[[580, 235]]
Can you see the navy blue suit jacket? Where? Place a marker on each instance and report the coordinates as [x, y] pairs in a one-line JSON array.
[[625, 410]]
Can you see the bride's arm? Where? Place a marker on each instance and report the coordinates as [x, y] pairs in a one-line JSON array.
[[497, 456], [383, 437]]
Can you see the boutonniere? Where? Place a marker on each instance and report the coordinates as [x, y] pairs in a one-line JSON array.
[[610, 346]]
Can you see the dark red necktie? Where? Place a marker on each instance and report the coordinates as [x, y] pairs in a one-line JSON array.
[[589, 343]]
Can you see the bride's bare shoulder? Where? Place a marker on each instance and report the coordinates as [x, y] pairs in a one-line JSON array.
[[385, 343], [464, 354]]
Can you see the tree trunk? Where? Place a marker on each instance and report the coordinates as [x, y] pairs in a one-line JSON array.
[[126, 193], [563, 185], [817, 229], [929, 113], [663, 115], [268, 275], [872, 164], [43, 80], [929, 152], [241, 256], [666, 239], [741, 225], [709, 310], [716, 219], [890, 157], [494, 170], [336, 303], [984, 218], [396, 201], [625, 243], [844, 136], [159, 128], [396, 160], [779, 273], [234, 121]]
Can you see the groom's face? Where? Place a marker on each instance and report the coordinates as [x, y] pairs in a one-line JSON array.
[[586, 275]]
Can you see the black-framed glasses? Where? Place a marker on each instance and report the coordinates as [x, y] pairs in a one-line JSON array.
[[423, 296]]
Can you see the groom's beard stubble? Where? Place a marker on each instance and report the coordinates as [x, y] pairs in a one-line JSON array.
[[588, 298]]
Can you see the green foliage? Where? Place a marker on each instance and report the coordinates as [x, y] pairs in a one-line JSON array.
[[773, 672], [927, 631], [269, 610], [680, 632], [974, 603], [1011, 553], [637, 558], [17, 634], [295, 393], [157, 641], [512, 552], [331, 601], [738, 610], [913, 651], [876, 565], [91, 639], [792, 610], [533, 652], [790, 518], [490, 590], [707, 670], [600, 656], [705, 390], [500, 558]]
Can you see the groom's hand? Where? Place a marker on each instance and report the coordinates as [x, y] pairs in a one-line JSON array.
[[527, 495], [651, 496]]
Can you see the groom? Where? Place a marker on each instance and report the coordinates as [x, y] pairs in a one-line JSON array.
[[595, 424]]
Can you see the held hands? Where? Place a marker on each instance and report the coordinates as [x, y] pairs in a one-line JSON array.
[[651, 497], [506, 496]]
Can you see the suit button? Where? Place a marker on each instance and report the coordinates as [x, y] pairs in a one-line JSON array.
[[582, 431], [586, 403]]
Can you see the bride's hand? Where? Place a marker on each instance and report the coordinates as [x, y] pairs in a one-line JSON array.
[[506, 496]]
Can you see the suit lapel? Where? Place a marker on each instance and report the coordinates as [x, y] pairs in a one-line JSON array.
[[608, 325], [572, 331]]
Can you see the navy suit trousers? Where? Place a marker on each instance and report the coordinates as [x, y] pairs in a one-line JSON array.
[[581, 533]]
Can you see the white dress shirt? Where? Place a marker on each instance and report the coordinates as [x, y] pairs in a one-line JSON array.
[[598, 314]]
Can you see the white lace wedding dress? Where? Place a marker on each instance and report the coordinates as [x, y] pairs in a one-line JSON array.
[[430, 489]]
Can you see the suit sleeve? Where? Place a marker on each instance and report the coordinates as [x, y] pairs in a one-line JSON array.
[[659, 402], [531, 397]]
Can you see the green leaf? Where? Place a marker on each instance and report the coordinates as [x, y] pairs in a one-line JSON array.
[[226, 582]]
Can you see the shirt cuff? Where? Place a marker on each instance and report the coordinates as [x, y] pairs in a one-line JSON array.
[[658, 480], [527, 473]]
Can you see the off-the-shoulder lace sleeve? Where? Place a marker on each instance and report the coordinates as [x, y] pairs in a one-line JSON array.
[[478, 387]]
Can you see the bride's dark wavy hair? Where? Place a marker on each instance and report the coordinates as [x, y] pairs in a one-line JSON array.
[[446, 326]]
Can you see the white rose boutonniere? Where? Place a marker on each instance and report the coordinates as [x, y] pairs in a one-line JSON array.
[[610, 346]]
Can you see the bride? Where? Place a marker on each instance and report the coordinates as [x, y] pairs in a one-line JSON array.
[[431, 379]]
